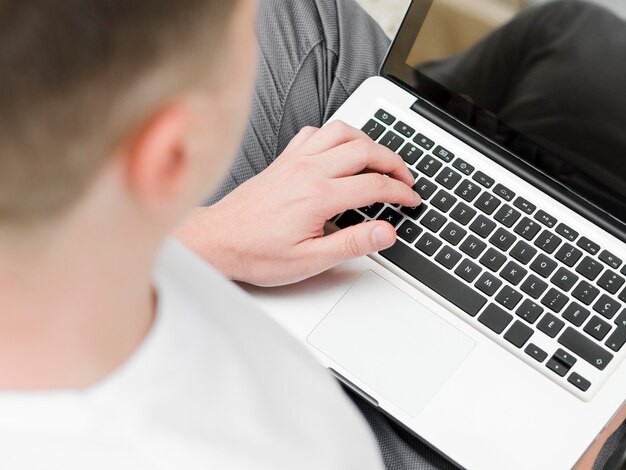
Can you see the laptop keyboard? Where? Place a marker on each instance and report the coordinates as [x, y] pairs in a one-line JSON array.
[[513, 267]]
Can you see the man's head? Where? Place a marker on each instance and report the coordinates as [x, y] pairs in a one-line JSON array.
[[146, 99]]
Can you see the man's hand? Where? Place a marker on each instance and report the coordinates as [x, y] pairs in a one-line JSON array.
[[270, 230]]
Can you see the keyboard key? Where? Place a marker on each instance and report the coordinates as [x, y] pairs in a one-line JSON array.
[[527, 229], [513, 273], [487, 203], [534, 287], [373, 210], [463, 166], [555, 300], [410, 153], [610, 259], [519, 334], [610, 282], [428, 244], [409, 232], [576, 314], [436, 278], [525, 206], [404, 129], [483, 179], [589, 268], [429, 166], [565, 357], [453, 234], [504, 192], [425, 188], [482, 226], [589, 246], [620, 321], [545, 218], [606, 306], [550, 325], [443, 201], [503, 239], [373, 129], [463, 213], [507, 216], [473, 247], [508, 297], [568, 255], [586, 293], [414, 212], [433, 220], [617, 340], [564, 279], [597, 328], [585, 348], [385, 117], [548, 242], [444, 154], [523, 252], [348, 219], [423, 141], [493, 260], [495, 318], [391, 216], [579, 381], [622, 296], [488, 284], [543, 265], [468, 270], [467, 190], [529, 311], [557, 367], [448, 257], [392, 141], [536, 352], [566, 232], [448, 178]]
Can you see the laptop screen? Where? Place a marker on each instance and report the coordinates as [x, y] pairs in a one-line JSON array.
[[547, 83]]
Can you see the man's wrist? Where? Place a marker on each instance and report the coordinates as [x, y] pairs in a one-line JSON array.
[[202, 234]]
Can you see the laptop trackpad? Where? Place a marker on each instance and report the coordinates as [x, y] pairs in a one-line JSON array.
[[391, 342]]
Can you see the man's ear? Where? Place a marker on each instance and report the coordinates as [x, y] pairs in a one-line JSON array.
[[157, 164]]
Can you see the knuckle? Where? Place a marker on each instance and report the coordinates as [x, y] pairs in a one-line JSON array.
[[339, 127], [351, 246], [300, 167], [378, 183], [308, 130]]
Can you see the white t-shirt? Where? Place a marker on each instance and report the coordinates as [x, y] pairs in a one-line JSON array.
[[215, 385]]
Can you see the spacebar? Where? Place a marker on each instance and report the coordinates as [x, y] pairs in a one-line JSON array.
[[436, 278]]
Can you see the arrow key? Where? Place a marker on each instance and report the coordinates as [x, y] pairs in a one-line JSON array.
[[565, 357], [617, 340], [536, 352], [579, 381]]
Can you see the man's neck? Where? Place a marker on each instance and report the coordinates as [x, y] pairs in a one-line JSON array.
[[72, 312]]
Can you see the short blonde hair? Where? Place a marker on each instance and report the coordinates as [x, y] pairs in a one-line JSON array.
[[76, 75]]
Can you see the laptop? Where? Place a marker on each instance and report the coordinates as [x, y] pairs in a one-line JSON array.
[[494, 328]]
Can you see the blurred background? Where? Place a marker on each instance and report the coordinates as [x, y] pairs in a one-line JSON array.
[[461, 22]]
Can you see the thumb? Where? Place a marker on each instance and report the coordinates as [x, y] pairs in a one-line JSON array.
[[353, 242]]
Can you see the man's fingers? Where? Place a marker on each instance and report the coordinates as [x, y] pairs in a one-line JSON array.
[[353, 242], [363, 154], [330, 136], [366, 189]]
